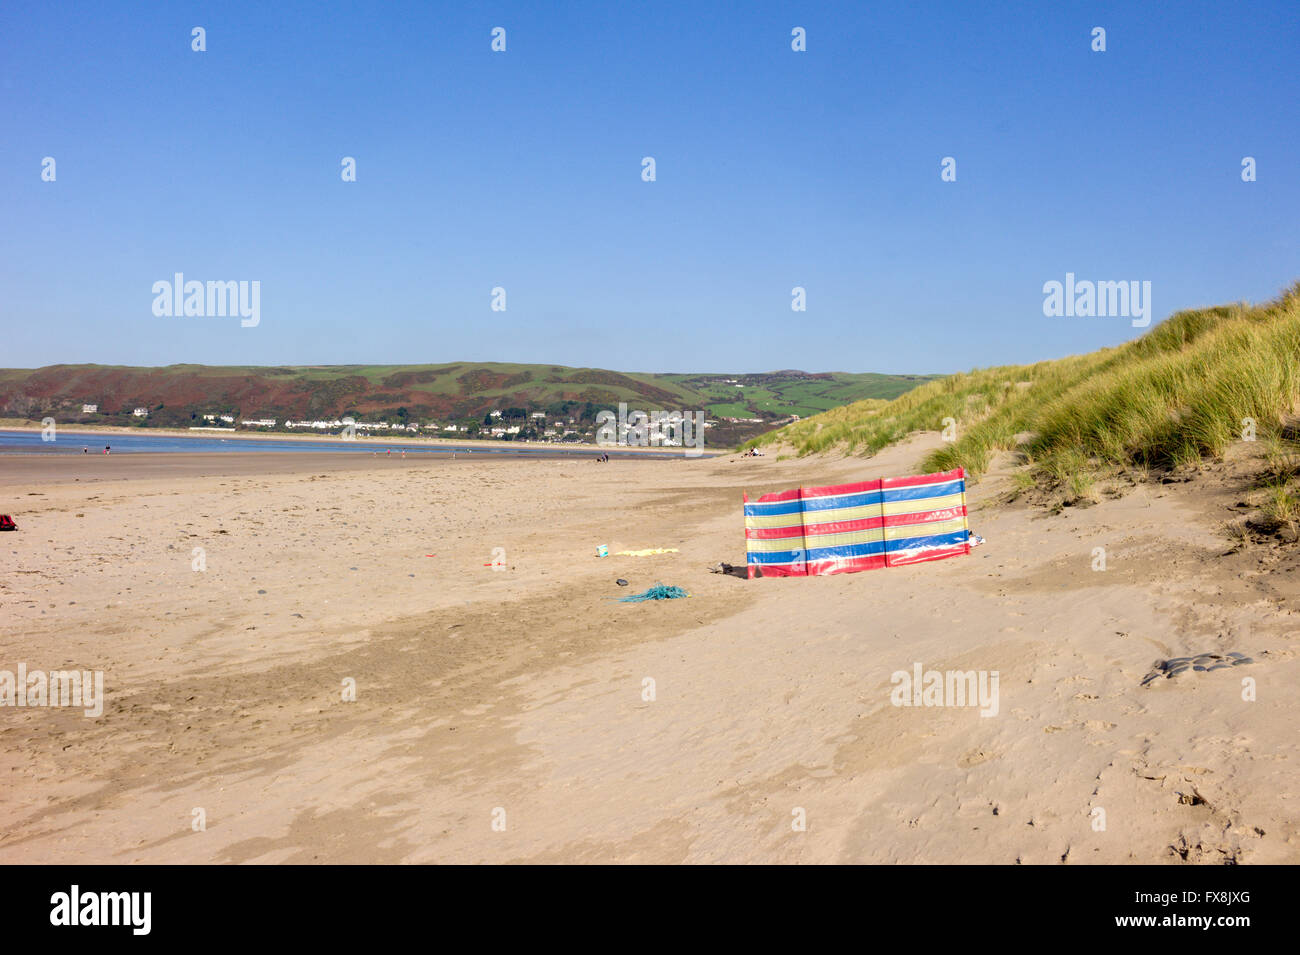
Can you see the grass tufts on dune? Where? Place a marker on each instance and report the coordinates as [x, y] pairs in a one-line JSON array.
[[1182, 392]]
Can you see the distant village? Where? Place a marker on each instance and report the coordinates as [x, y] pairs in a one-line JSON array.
[[564, 421], [537, 427], [511, 424]]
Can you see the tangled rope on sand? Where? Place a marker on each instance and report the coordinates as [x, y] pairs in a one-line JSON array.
[[657, 592]]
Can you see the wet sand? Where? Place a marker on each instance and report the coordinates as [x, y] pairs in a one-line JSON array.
[[34, 469], [23, 469]]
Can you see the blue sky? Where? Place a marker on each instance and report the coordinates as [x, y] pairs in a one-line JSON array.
[[522, 169]]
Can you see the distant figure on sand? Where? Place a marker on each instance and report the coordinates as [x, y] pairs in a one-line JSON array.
[[106, 449]]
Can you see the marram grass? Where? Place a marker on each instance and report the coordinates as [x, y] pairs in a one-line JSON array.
[[1184, 391]]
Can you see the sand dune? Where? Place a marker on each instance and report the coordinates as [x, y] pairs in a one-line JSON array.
[[518, 695]]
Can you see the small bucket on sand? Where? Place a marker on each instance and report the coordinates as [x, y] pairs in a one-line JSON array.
[[602, 550]]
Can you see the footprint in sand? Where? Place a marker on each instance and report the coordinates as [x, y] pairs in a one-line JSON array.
[[1200, 663], [974, 758]]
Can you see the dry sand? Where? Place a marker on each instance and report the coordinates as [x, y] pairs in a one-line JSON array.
[[518, 694]]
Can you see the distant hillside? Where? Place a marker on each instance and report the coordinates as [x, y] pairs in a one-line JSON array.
[[461, 393], [1187, 389]]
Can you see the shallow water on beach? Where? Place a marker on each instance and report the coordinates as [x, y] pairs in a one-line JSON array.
[[73, 442]]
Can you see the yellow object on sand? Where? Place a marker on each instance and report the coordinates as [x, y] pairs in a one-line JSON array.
[[647, 552]]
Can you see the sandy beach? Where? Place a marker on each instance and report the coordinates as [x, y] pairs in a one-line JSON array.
[[504, 715]]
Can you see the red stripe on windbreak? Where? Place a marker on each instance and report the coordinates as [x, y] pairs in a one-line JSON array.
[[779, 496], [775, 533], [925, 517], [844, 527], [812, 530], [901, 558], [774, 570], [942, 477], [861, 487], [823, 568]]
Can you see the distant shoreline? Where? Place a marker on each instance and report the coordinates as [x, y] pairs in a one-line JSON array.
[[209, 435]]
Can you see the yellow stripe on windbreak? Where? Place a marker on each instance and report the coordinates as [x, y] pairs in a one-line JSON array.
[[845, 539], [761, 546], [860, 513], [833, 515], [774, 520], [924, 530]]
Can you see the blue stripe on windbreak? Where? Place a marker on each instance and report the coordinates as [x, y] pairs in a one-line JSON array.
[[844, 551], [924, 543], [776, 557], [775, 507], [779, 556], [928, 490], [838, 501], [834, 502], [865, 549]]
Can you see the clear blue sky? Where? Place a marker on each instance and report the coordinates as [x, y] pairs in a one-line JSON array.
[[523, 170]]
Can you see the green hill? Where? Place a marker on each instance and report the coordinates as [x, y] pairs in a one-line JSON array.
[[463, 393]]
